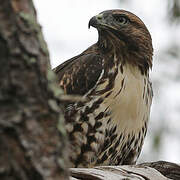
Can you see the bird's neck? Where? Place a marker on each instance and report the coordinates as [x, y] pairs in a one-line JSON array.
[[108, 43]]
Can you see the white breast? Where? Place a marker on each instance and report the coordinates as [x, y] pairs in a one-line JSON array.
[[126, 103]]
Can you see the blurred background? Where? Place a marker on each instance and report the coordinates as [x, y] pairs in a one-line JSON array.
[[65, 27]]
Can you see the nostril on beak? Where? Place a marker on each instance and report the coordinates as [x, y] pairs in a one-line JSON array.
[[99, 16]]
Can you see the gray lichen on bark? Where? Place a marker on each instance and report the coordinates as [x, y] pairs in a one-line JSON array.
[[31, 122]]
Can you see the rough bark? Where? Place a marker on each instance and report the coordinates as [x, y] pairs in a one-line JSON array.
[[160, 170], [32, 137]]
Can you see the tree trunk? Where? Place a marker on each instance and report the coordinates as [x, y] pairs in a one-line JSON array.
[[31, 147]]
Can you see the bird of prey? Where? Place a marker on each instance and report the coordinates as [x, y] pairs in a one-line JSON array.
[[113, 75]]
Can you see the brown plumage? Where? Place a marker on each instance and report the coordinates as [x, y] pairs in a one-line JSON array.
[[113, 75]]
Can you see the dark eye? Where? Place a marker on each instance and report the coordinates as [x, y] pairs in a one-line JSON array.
[[121, 19]]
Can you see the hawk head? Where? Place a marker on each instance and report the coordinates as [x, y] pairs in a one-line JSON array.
[[125, 32]]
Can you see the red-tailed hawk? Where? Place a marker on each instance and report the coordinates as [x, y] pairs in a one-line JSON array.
[[113, 75]]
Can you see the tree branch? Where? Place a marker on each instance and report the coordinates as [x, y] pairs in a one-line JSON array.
[[160, 170]]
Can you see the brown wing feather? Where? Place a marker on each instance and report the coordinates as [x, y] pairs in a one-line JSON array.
[[79, 74]]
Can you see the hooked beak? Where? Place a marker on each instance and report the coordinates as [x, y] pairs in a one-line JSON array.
[[95, 21], [100, 22]]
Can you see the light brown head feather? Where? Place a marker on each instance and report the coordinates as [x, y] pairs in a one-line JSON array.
[[131, 39]]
